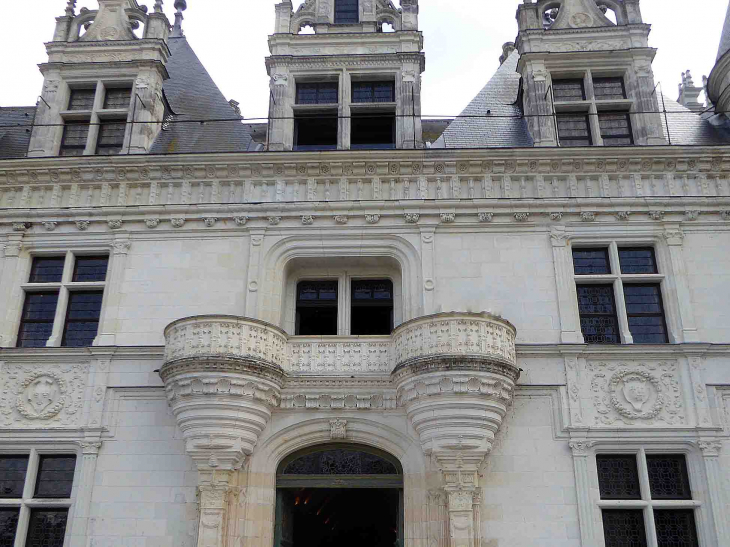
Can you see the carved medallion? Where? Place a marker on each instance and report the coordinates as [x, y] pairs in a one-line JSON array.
[[636, 394], [41, 396], [579, 20]]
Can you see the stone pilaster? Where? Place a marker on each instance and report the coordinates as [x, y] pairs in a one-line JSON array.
[[581, 450], [711, 453]]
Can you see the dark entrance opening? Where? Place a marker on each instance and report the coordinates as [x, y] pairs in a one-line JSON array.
[[339, 495]]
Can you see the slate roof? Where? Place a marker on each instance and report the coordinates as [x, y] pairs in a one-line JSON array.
[[15, 128], [499, 98], [193, 95], [725, 38], [688, 128]]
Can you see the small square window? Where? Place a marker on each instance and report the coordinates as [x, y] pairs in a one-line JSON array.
[[569, 90], [624, 527], [12, 476], [618, 477], [8, 526], [47, 269], [90, 268], [675, 528], [591, 261], [82, 318], [55, 476], [47, 527], [36, 323], [597, 309], [117, 97], [609, 88], [574, 130], [82, 99], [668, 477], [637, 260]]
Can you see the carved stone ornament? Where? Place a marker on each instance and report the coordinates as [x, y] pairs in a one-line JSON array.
[[210, 221], [341, 219], [83, 225], [636, 394], [21, 226], [556, 216], [588, 216], [152, 223], [121, 247], [280, 79], [691, 215], [50, 225], [522, 217], [307, 220], [42, 396], [725, 215], [448, 218], [710, 448], [486, 217], [581, 448], [177, 222], [273, 221], [411, 218], [338, 429], [657, 215], [114, 224], [372, 219], [240, 220], [623, 215]]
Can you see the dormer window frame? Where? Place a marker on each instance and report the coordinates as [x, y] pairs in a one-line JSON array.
[[590, 106], [98, 114]]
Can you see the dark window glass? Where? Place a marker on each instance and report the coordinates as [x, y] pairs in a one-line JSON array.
[[316, 132], [618, 477], [645, 313], [317, 93], [372, 307], [82, 319], [90, 268], [598, 314], [36, 323], [624, 528], [346, 12], [609, 88], [47, 270], [8, 525], [574, 130], [117, 97], [591, 261], [569, 90], [55, 476], [373, 132], [111, 138], [316, 308], [82, 99], [12, 476], [615, 128], [668, 477], [639, 260], [74, 138], [46, 528], [373, 92], [675, 528]]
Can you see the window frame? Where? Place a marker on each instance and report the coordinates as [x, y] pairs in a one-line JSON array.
[[64, 288], [28, 502], [619, 279], [347, 22], [700, 502]]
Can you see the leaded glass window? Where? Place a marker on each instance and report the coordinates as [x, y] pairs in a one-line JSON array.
[[624, 528], [75, 135], [117, 97], [36, 322], [8, 526], [47, 269], [675, 528], [373, 92], [82, 99], [347, 12], [317, 93], [55, 476], [574, 130], [591, 261], [47, 528], [668, 477], [637, 260], [609, 88], [82, 318], [615, 128], [12, 476], [111, 137], [618, 477], [569, 89], [90, 268], [645, 313], [597, 309]]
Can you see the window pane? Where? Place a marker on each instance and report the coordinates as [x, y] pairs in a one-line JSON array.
[[609, 88], [317, 93], [8, 525], [47, 527], [75, 135], [598, 314], [615, 128], [36, 324], [568, 90], [346, 12], [90, 268], [324, 292], [373, 92], [55, 476], [82, 99], [640, 260], [618, 477], [372, 307], [47, 270], [82, 319], [591, 262], [624, 528], [111, 138], [574, 130], [12, 476], [645, 313], [316, 321], [668, 477], [117, 98], [675, 528]]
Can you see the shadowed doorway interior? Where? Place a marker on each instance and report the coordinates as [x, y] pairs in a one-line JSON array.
[[339, 495]]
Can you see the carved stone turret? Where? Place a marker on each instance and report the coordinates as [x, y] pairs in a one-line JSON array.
[[455, 377], [718, 83]]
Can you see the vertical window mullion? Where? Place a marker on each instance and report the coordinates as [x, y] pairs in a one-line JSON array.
[[646, 496], [59, 319], [623, 320], [343, 304], [21, 532]]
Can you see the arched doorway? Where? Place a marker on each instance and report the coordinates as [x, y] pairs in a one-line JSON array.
[[339, 495]]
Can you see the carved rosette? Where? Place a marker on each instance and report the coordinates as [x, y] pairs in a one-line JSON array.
[[223, 377], [455, 376]]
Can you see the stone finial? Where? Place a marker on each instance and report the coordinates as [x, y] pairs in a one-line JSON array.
[[71, 8], [180, 7], [689, 93], [158, 6]]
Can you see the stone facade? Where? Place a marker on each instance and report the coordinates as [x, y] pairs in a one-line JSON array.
[[197, 386]]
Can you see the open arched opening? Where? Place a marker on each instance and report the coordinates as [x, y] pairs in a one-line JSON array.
[[321, 492]]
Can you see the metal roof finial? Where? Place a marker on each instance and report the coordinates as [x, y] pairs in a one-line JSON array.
[[71, 8], [180, 6]]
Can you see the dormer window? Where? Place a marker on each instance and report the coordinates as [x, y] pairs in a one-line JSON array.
[[117, 97], [75, 135], [347, 12], [569, 90], [82, 99]]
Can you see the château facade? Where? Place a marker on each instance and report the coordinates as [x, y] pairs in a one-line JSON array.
[[354, 326]]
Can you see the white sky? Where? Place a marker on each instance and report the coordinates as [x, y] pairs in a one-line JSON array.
[[463, 40]]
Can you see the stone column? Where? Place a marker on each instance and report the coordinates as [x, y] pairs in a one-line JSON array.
[[688, 326], [109, 325], [711, 452], [570, 332], [82, 508], [217, 491], [583, 488]]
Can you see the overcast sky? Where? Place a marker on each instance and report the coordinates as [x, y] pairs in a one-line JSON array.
[[463, 40]]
